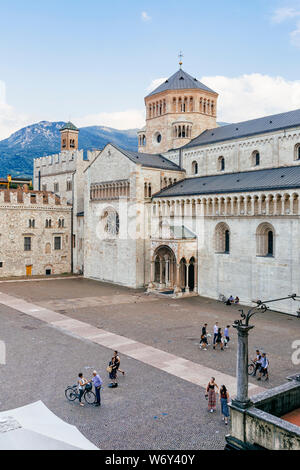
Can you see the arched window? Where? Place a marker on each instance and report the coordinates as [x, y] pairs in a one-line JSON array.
[[222, 238], [255, 158], [265, 237], [111, 223], [297, 152], [221, 163], [195, 168]]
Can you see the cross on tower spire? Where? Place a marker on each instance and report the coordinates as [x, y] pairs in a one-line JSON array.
[[180, 58]]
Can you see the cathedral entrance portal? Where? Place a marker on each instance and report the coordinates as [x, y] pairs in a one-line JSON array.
[[164, 269]]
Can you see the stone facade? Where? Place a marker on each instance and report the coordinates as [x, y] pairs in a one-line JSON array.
[[117, 215], [34, 233], [175, 117], [127, 230], [63, 174]]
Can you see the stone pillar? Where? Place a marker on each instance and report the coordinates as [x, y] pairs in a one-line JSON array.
[[160, 273], [167, 280], [152, 270], [177, 288], [242, 400], [186, 267]]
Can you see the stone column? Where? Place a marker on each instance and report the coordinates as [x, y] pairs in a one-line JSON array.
[[186, 266], [160, 273], [152, 269], [242, 400], [167, 280], [177, 288]]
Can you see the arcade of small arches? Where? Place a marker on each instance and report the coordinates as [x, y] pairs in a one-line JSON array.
[[182, 131], [182, 104], [168, 273], [271, 204], [109, 190]]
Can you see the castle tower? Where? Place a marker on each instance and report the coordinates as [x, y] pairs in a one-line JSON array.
[[69, 137], [176, 112]]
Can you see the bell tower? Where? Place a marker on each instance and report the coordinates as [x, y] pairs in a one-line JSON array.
[[69, 137], [177, 111]]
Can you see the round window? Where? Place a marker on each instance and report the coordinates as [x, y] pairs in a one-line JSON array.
[[158, 138]]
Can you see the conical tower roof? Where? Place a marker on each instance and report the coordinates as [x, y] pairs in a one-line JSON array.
[[181, 80]]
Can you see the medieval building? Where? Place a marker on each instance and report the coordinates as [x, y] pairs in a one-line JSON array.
[[199, 209]]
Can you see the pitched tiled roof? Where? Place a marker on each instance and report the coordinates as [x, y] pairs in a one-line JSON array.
[[259, 180], [180, 81], [149, 160], [69, 126], [239, 130]]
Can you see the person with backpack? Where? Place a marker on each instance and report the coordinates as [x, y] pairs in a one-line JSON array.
[[224, 398]]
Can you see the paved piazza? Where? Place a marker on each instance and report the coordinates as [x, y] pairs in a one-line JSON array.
[[54, 329]]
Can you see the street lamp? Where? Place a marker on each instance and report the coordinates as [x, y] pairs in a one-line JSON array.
[[242, 325]]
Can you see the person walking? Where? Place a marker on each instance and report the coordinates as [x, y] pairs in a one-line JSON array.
[[112, 370], [219, 340], [211, 394], [257, 361], [203, 339], [81, 386], [97, 381], [118, 362], [263, 367], [226, 336], [224, 398], [216, 328]]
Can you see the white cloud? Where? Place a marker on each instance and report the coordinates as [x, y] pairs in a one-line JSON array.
[[283, 14], [155, 83], [10, 120], [254, 95], [129, 119], [295, 36], [145, 16]]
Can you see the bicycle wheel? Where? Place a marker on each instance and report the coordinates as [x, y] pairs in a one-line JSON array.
[[250, 369], [90, 397], [70, 394]]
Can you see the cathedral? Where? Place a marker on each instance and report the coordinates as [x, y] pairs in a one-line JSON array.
[[199, 209]]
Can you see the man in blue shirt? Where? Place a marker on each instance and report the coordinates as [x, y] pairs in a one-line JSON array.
[[97, 381]]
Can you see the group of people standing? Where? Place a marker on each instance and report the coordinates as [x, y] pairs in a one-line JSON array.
[[220, 339], [212, 392], [112, 369]]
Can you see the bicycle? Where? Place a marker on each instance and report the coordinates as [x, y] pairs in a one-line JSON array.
[[89, 396], [252, 369]]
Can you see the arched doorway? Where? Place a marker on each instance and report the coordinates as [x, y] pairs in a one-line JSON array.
[[164, 275]]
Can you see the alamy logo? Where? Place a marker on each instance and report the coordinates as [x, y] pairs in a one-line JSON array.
[[2, 353], [296, 354]]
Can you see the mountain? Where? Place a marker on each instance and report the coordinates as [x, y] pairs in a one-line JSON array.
[[18, 151]]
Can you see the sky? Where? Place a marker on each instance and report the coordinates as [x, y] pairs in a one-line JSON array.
[[93, 61]]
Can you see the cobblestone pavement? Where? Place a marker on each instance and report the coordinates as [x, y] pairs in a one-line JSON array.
[[150, 409], [171, 325]]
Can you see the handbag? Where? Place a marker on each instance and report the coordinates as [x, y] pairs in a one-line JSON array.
[[109, 369]]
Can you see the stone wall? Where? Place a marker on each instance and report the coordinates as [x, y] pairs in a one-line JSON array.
[[275, 149], [17, 211], [260, 425]]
